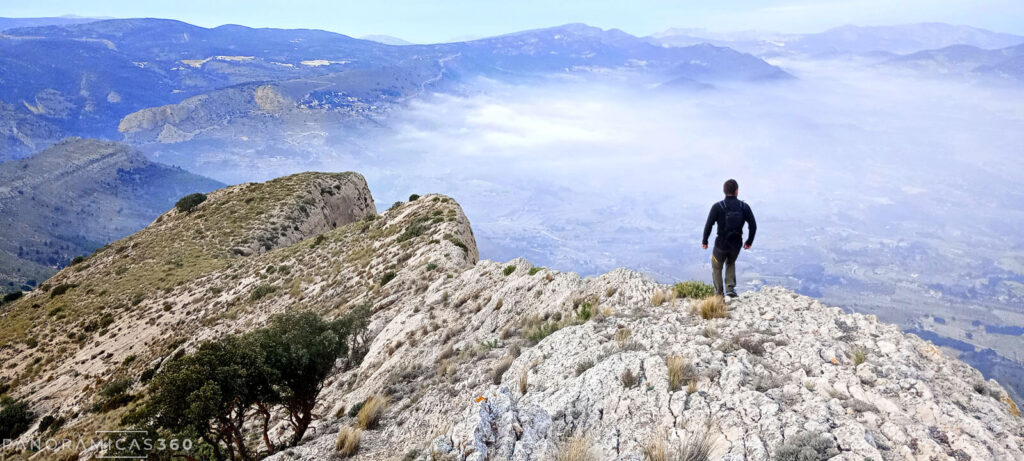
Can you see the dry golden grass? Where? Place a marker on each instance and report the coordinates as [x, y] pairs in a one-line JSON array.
[[348, 441], [500, 369], [658, 298], [1013, 406], [698, 447], [622, 335], [679, 371], [371, 412], [656, 450], [712, 307], [524, 382], [574, 449]]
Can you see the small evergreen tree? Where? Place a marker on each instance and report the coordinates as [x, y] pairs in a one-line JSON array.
[[190, 202], [15, 418], [300, 349]]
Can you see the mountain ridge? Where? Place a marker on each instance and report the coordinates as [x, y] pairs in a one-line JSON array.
[[482, 358], [76, 196]]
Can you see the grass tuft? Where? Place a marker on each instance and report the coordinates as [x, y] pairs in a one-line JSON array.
[[713, 307], [574, 449], [658, 298], [348, 441], [680, 371], [369, 415], [628, 379], [500, 369], [860, 355]]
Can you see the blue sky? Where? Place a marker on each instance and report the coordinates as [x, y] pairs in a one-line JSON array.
[[438, 20]]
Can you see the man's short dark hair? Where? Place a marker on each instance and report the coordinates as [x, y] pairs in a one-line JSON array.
[[730, 187]]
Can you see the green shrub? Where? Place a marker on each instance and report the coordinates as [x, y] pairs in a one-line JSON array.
[[541, 331], [431, 266], [693, 289], [77, 260], [413, 197], [535, 270], [387, 277], [458, 243], [320, 239], [509, 270], [15, 418], [61, 289], [50, 422], [352, 412], [414, 229], [262, 291], [190, 202], [585, 311], [807, 446], [11, 297]]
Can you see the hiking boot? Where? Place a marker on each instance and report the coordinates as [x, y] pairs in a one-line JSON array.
[[732, 294]]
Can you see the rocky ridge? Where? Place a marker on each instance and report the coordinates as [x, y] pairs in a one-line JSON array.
[[488, 360]]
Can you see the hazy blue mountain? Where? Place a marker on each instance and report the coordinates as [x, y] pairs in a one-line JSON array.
[[1004, 64], [386, 39], [76, 196], [85, 79], [861, 40], [11, 23], [582, 47]]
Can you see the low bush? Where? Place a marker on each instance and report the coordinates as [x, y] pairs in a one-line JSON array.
[[15, 418], [628, 379], [807, 446], [189, 202], [387, 277], [414, 197], [11, 297], [509, 270], [414, 229], [61, 289], [583, 366], [693, 289], [262, 291]]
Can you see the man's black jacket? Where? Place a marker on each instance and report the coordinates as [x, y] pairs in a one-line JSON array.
[[717, 215]]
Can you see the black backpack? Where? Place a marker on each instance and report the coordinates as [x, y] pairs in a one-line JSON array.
[[733, 219]]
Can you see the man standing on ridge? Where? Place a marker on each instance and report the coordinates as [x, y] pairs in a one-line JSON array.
[[729, 214]]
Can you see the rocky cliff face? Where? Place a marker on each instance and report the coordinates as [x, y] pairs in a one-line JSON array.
[[486, 360]]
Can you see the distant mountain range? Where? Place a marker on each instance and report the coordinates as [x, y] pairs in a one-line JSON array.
[[167, 82], [76, 196], [12, 23], [1004, 64], [845, 40], [386, 39]]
